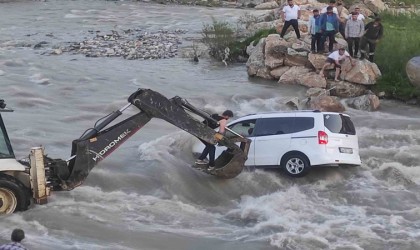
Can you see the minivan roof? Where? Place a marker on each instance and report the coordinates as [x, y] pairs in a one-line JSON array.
[[291, 112]]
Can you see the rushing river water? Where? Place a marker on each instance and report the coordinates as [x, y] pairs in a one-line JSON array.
[[145, 195]]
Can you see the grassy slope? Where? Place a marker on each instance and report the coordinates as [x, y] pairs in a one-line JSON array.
[[400, 43]]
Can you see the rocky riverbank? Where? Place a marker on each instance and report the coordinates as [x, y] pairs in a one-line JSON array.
[[130, 44], [290, 61]]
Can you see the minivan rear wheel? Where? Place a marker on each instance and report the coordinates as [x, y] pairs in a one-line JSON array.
[[296, 165]]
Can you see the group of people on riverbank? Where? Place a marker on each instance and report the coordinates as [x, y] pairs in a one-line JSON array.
[[329, 21]]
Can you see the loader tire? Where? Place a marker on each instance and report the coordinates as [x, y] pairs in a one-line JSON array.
[[14, 196]]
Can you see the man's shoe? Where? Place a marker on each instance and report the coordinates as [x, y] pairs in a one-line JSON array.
[[210, 168], [198, 161]]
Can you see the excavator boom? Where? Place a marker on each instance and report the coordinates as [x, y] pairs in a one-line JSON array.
[[100, 141]]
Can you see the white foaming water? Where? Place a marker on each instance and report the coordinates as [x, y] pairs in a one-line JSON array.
[[146, 195]]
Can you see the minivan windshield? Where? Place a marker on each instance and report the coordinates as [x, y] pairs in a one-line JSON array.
[[340, 124]]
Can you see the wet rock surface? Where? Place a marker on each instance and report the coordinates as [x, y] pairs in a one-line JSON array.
[[130, 44]]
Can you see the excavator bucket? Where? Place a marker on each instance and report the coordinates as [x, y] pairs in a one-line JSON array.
[[228, 165]]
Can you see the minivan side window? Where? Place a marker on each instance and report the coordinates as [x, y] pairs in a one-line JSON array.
[[339, 124], [244, 128], [274, 126], [303, 123]]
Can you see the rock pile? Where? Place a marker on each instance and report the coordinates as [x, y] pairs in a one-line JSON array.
[[291, 62], [129, 44]]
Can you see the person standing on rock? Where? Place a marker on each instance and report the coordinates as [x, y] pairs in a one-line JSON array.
[[329, 27], [360, 16], [373, 34], [353, 32], [332, 5], [290, 16], [336, 58], [315, 29]]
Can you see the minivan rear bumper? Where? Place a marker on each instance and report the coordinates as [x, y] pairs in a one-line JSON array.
[[337, 159]]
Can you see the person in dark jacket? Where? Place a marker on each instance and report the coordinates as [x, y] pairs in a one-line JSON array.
[[314, 29], [210, 149], [329, 27], [373, 34], [17, 236]]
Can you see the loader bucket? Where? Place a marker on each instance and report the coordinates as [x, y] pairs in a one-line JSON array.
[[230, 163]]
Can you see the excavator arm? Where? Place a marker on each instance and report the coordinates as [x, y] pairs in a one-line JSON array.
[[99, 142]]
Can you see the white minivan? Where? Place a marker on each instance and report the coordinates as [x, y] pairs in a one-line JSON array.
[[297, 140]]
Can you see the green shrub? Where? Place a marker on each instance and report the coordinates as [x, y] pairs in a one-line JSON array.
[[400, 43], [238, 48], [218, 36]]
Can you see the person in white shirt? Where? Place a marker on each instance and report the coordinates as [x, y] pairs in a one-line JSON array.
[[332, 4], [337, 58], [360, 16], [290, 16]]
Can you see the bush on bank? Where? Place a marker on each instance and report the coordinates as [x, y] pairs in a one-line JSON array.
[[400, 43], [223, 42]]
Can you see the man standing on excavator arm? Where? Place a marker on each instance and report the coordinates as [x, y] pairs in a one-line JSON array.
[[210, 149]]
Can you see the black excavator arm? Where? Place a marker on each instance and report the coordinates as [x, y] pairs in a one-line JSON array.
[[100, 141]]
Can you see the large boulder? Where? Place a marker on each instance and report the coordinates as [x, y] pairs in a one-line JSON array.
[[302, 76], [303, 27], [318, 61], [364, 72], [250, 48], [346, 89], [278, 72], [301, 2], [315, 92], [369, 102], [263, 25], [312, 80], [267, 6], [326, 103], [249, 3], [311, 5], [255, 64], [293, 75], [340, 43], [275, 49], [296, 58], [363, 9], [305, 15], [375, 5], [267, 17], [279, 27], [413, 71]]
